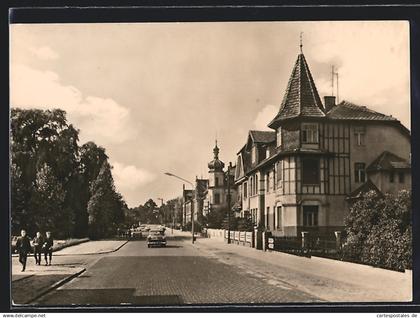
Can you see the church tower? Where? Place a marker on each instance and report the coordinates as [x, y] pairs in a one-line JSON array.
[[216, 180]]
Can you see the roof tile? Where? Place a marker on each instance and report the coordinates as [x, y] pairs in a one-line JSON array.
[[350, 111], [301, 97]]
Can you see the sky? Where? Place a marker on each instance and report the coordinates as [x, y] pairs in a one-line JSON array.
[[157, 95]]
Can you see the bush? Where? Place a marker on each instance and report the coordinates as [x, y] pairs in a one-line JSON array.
[[379, 231], [245, 224], [197, 227]]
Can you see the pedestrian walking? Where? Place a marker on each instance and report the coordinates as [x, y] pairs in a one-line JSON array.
[[38, 242], [48, 244], [23, 245]]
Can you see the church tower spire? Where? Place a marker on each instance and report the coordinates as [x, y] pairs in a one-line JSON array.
[[216, 164], [216, 151]]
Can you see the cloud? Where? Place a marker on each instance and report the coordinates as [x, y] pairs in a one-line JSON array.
[[129, 177], [374, 73], [265, 116], [45, 53], [101, 120]]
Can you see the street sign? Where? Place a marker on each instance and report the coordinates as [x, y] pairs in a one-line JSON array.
[[271, 243]]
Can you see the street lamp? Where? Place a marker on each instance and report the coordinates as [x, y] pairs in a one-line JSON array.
[[229, 200], [192, 203]]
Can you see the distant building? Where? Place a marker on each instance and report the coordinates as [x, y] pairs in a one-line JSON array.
[[303, 174], [217, 192], [209, 194]]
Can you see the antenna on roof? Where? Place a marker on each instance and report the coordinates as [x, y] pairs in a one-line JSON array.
[[301, 45], [332, 80], [336, 74]]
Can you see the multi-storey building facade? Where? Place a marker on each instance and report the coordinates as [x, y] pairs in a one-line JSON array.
[[302, 175]]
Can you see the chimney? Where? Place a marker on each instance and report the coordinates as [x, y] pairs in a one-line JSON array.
[[329, 102]]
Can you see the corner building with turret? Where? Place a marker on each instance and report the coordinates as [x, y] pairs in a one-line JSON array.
[[317, 159]]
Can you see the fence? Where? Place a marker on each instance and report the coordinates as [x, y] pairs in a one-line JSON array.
[[240, 238], [308, 244], [215, 234]]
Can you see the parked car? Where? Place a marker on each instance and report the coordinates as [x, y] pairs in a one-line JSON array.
[[136, 233], [156, 238]]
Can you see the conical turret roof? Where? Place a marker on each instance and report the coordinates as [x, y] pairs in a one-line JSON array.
[[301, 98]]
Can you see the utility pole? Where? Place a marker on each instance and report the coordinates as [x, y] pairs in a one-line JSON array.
[[228, 199], [192, 200], [192, 214]]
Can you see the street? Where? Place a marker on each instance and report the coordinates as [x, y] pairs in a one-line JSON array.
[[177, 274]]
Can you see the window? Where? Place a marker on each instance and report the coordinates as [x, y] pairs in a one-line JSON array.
[[310, 171], [267, 152], [279, 218], [359, 172], [359, 133], [279, 172], [266, 218], [256, 184], [310, 215], [391, 177], [216, 181], [267, 176], [245, 190], [274, 217], [310, 133], [279, 141], [216, 198], [251, 186], [401, 177], [274, 178], [254, 154]]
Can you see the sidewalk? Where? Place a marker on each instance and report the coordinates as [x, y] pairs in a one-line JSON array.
[[38, 280], [328, 279], [92, 247]]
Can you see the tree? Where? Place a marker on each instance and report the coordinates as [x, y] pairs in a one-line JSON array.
[[52, 177], [215, 217], [379, 230], [20, 216], [47, 205], [42, 138], [103, 208]]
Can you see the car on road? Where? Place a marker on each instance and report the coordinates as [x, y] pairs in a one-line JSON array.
[[136, 233], [156, 238]]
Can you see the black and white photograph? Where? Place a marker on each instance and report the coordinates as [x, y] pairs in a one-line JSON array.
[[210, 163]]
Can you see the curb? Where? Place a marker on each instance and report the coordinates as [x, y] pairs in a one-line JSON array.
[[98, 253], [55, 286], [22, 278]]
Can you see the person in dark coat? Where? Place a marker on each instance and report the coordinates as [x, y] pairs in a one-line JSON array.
[[38, 242], [23, 245], [48, 244]]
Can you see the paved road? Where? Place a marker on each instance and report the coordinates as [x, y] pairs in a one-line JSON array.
[[177, 274]]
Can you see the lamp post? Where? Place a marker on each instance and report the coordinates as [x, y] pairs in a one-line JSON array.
[[228, 199], [192, 203]]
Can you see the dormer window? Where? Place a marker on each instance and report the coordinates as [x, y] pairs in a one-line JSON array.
[[254, 154], [279, 141], [310, 133], [267, 152]]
